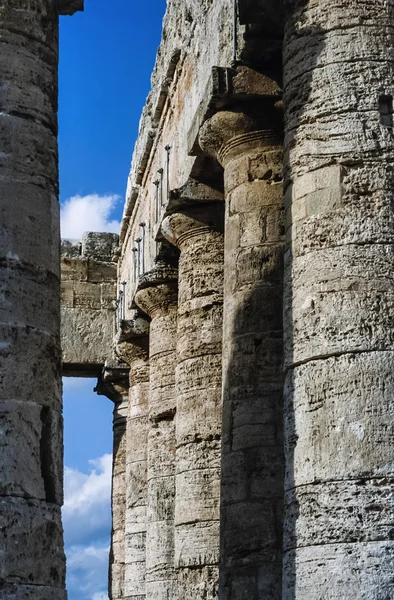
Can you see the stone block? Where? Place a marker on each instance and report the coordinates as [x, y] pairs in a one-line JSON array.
[[200, 330], [161, 590], [135, 528], [259, 264], [197, 483], [86, 335], [99, 246], [16, 591], [34, 533], [18, 236], [197, 545], [74, 269], [35, 160], [201, 410], [339, 512], [101, 272], [339, 419], [337, 570], [199, 583], [348, 304], [87, 295], [160, 551], [35, 357], [30, 453], [136, 484], [67, 294], [246, 522], [134, 585], [30, 298], [137, 427], [161, 450]]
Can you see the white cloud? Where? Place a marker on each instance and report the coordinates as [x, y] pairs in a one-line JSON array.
[[87, 525], [100, 596], [88, 213], [87, 504], [87, 572]]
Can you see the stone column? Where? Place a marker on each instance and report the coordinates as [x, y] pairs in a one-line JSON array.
[[132, 348], [117, 554], [157, 296], [114, 384], [339, 347], [247, 142], [31, 445], [196, 228]]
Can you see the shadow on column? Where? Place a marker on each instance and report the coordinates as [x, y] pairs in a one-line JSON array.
[[252, 454], [258, 420], [297, 95]]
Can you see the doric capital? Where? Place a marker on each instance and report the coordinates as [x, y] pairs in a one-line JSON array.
[[158, 290], [193, 210], [69, 7], [132, 340], [114, 382], [232, 132]]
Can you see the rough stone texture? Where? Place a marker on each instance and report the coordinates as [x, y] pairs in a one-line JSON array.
[[132, 347], [179, 443], [338, 300], [248, 146], [88, 297], [197, 35], [31, 541], [114, 383], [157, 297], [117, 554], [197, 229]]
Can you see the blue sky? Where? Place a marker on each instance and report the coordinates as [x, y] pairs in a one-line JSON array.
[[106, 58]]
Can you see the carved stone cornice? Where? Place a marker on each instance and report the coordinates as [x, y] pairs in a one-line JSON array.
[[157, 290]]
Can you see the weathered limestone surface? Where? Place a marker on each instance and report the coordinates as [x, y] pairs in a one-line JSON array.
[[197, 35], [248, 145], [88, 296], [114, 383], [339, 300], [118, 555], [31, 541], [157, 297], [133, 348], [195, 225]]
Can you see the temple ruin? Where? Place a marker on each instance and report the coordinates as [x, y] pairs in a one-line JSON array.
[[242, 322]]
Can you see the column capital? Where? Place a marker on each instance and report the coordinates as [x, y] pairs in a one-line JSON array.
[[246, 127], [114, 382], [158, 290], [132, 340], [193, 210]]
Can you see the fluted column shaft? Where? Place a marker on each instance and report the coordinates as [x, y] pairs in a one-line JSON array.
[[248, 145], [134, 350], [157, 297], [31, 442], [198, 233], [339, 300], [118, 498]]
